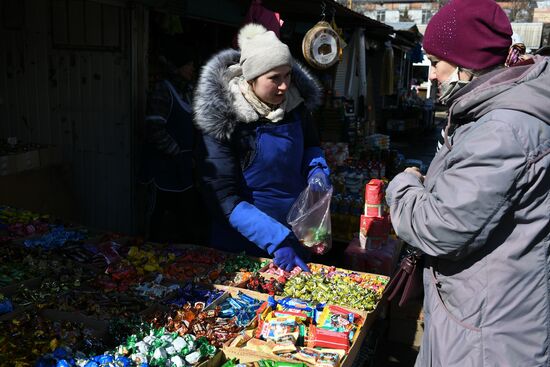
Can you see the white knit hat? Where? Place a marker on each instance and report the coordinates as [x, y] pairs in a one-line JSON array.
[[261, 51]]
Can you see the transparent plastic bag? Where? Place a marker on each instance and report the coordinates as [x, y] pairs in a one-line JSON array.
[[309, 218]]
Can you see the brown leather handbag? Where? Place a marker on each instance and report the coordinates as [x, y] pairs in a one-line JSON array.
[[407, 280]]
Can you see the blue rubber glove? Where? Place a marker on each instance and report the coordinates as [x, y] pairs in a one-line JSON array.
[[286, 257], [258, 227], [318, 179]]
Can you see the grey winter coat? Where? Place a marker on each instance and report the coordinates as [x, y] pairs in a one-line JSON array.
[[483, 218]]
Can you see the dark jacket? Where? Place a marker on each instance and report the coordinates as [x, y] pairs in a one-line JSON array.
[[235, 153], [167, 154]]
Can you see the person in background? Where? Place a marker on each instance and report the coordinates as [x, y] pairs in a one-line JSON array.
[[481, 215], [167, 158], [258, 148]]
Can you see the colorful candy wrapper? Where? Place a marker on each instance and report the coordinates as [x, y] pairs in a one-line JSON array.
[[327, 339], [328, 360], [307, 355]]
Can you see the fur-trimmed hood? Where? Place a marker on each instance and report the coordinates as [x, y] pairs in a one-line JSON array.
[[216, 110]]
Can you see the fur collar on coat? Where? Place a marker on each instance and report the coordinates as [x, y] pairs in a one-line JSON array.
[[218, 110]]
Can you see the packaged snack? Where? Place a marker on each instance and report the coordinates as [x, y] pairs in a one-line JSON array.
[[374, 198], [285, 344], [307, 355], [373, 232], [328, 339], [337, 318], [328, 360]]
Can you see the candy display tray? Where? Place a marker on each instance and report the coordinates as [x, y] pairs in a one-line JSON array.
[[246, 356], [278, 296]]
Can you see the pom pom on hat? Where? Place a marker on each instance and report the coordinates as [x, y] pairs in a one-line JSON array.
[[261, 51], [249, 31], [474, 34]]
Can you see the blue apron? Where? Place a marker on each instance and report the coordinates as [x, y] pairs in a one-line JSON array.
[[273, 181], [173, 173]]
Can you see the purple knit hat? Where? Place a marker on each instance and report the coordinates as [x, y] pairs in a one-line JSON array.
[[473, 34]]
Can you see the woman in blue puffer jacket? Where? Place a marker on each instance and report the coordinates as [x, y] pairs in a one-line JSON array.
[[258, 147]]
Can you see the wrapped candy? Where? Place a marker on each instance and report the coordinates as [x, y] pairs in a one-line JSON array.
[[154, 290], [57, 237], [241, 262], [162, 348], [271, 286], [195, 263], [192, 293], [337, 289], [5, 305], [318, 337], [21, 223], [98, 304], [29, 336]]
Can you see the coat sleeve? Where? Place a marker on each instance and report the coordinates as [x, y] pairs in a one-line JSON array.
[[219, 171], [468, 199]]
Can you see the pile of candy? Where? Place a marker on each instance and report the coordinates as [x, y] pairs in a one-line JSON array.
[[191, 293], [57, 237], [21, 223], [48, 289], [373, 282], [155, 289], [11, 273], [155, 305], [242, 263], [24, 339], [309, 333], [98, 304], [218, 325], [317, 239], [195, 263], [271, 286], [338, 289], [158, 348]]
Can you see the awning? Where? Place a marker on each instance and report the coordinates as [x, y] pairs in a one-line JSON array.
[[310, 11]]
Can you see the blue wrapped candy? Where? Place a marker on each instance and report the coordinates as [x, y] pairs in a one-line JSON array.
[[57, 237], [5, 305]]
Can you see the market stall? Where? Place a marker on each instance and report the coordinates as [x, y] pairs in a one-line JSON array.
[[71, 296]]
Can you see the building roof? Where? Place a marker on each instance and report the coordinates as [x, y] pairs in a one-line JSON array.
[[310, 10], [406, 34]]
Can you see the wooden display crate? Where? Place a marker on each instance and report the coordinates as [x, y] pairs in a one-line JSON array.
[[246, 356]]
